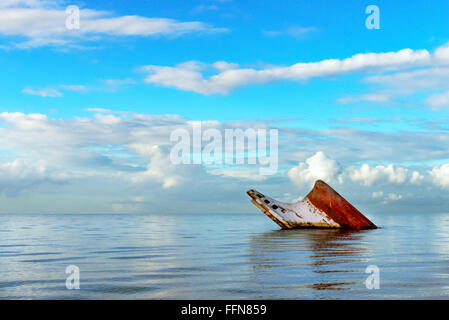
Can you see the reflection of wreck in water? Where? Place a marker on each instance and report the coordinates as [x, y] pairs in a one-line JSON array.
[[323, 207], [319, 259]]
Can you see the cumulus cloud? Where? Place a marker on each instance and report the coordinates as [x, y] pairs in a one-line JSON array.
[[316, 167], [416, 177], [367, 175], [159, 167], [440, 175], [43, 23], [377, 185], [319, 166]]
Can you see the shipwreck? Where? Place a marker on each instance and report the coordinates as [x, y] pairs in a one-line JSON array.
[[323, 207]]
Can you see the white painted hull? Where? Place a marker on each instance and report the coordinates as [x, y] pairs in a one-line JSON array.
[[292, 215]]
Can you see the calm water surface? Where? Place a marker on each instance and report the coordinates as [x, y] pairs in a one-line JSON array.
[[225, 256]]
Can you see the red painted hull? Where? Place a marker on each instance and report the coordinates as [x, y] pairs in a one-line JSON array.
[[335, 206]]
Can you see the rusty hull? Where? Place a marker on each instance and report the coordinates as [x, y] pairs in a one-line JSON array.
[[323, 207]]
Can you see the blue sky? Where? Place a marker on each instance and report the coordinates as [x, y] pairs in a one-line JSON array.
[[86, 114]]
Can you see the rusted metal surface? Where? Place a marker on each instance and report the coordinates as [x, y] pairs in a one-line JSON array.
[[323, 207], [346, 215]]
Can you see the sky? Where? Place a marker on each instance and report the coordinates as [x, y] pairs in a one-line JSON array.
[[87, 111]]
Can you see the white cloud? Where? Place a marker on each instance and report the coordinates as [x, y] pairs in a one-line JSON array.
[[159, 167], [39, 42], [204, 8], [119, 82], [316, 167], [442, 54], [133, 148], [438, 101], [440, 175], [23, 174], [113, 85], [108, 85], [319, 166], [293, 31], [245, 174], [367, 175], [118, 156], [367, 120], [370, 97], [433, 81], [44, 92], [138, 199], [349, 145], [44, 23], [416, 177], [123, 149], [223, 65], [189, 77], [412, 80], [74, 87], [377, 194], [25, 3], [388, 198], [393, 197]]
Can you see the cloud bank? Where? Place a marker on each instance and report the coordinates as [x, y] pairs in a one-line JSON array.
[[121, 156]]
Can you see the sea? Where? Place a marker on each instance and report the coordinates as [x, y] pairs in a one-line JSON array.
[[220, 256]]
